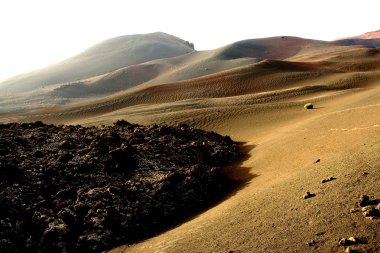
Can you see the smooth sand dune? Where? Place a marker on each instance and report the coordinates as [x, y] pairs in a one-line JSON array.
[[269, 214], [166, 70], [261, 106], [194, 64], [264, 82], [124, 62]]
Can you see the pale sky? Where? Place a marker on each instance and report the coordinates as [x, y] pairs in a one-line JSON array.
[[36, 33]]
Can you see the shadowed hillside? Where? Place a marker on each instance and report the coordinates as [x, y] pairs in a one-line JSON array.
[[277, 48], [370, 39], [193, 65], [100, 59], [129, 61], [266, 81]]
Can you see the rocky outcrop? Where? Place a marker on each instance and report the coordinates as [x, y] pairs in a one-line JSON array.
[[86, 189]]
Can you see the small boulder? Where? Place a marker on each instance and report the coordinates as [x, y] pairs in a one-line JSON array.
[[183, 126], [122, 123], [308, 106], [66, 145], [370, 212], [347, 242], [354, 210], [308, 195], [364, 200], [348, 250], [327, 180]]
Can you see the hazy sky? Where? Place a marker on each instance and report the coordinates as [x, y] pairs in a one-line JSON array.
[[35, 33]]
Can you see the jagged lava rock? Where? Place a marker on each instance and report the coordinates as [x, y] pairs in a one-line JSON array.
[[87, 189]]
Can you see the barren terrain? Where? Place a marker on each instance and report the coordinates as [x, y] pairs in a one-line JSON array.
[[331, 151]]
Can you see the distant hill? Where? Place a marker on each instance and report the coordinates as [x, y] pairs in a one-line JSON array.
[[275, 48], [370, 39], [193, 65], [124, 62], [102, 58]]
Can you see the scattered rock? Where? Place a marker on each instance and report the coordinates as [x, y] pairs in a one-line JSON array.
[[308, 195], [122, 123], [371, 212], [364, 200], [327, 180], [65, 145], [312, 243], [183, 126], [369, 208], [348, 250], [347, 242], [308, 106], [317, 161], [354, 210]]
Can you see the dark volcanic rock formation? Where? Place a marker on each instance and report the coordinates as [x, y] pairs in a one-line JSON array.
[[86, 189]]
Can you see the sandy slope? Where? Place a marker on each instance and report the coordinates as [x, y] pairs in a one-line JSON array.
[[269, 214], [92, 74], [261, 105], [102, 58], [195, 64]]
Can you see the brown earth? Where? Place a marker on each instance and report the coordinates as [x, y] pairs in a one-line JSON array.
[[261, 104], [369, 39]]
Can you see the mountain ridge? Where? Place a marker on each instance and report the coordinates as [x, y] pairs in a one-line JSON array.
[[127, 61], [102, 58], [369, 39]]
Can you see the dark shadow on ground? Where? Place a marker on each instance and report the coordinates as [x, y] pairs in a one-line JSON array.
[[374, 202], [238, 176]]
